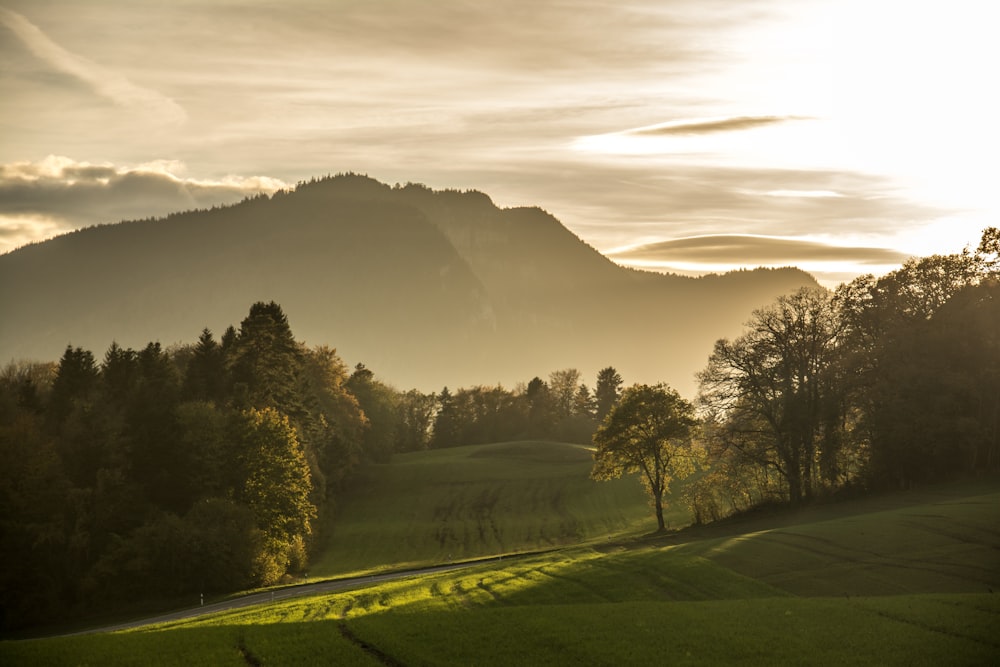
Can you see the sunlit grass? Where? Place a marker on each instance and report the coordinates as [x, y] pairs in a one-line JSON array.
[[574, 609], [809, 589]]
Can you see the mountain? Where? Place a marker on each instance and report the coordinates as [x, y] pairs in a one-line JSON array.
[[427, 288]]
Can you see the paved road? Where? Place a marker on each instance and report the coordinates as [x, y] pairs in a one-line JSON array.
[[280, 594]]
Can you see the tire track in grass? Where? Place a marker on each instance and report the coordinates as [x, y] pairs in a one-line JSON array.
[[248, 657], [502, 581], [927, 627], [373, 651], [895, 560], [461, 595], [483, 586], [673, 581], [958, 536], [590, 589], [483, 509], [864, 557]]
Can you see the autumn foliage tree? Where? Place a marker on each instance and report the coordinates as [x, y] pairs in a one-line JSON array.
[[276, 487]]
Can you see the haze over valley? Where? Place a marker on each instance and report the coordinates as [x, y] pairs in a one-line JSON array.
[[426, 288]]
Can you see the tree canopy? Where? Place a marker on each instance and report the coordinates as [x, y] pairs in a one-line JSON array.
[[885, 382], [648, 432]]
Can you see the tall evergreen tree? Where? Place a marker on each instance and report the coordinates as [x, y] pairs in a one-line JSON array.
[[152, 429], [446, 424], [205, 378], [266, 362], [76, 377], [607, 391], [119, 372], [541, 409]]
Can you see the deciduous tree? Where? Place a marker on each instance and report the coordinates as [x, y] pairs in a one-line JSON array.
[[648, 432], [276, 484], [780, 375], [379, 404]]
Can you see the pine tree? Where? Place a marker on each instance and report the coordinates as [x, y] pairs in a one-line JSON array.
[[205, 378], [267, 362], [607, 392]]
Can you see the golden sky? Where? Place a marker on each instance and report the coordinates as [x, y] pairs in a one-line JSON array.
[[687, 135]]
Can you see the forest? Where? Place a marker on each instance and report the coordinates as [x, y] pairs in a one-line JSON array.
[[208, 467]]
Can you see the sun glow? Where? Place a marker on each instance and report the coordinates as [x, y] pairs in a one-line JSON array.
[[891, 89]]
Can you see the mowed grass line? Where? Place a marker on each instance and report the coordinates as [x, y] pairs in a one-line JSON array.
[[903, 630], [640, 602], [315, 643], [949, 545], [794, 631], [466, 502], [713, 600]]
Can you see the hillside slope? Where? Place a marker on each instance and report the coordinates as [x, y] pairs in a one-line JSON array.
[[427, 288], [480, 500], [904, 579]]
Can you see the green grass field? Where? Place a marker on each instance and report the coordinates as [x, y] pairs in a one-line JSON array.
[[468, 502], [906, 579]]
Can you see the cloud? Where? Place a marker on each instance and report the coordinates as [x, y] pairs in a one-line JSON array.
[[40, 199], [614, 204], [709, 126], [103, 81], [16, 231], [754, 251]]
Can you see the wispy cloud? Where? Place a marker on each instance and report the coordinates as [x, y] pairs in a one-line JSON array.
[[711, 125], [754, 251], [629, 202], [103, 81], [536, 103]]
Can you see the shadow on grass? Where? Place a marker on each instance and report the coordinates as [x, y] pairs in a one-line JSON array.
[[306, 643]]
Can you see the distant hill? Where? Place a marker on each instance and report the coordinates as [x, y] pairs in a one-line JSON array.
[[427, 288]]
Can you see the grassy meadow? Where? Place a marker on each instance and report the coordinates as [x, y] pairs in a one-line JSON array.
[[469, 502], [906, 579]]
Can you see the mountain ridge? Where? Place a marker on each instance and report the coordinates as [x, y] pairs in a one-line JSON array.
[[428, 288]]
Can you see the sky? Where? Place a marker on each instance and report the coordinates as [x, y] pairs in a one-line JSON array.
[[692, 136]]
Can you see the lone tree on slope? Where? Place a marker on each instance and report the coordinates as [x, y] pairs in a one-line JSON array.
[[648, 431]]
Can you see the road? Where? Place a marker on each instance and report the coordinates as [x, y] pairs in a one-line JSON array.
[[277, 594]]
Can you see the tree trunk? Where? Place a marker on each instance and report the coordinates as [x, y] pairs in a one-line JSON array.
[[658, 501], [795, 484]]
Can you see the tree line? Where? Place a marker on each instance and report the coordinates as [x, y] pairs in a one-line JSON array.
[[209, 467], [880, 384]]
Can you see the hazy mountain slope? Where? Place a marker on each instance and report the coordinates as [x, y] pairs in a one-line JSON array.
[[375, 277], [427, 288]]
